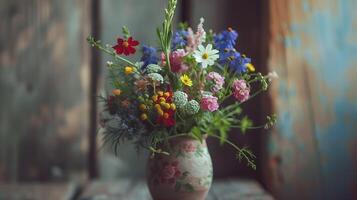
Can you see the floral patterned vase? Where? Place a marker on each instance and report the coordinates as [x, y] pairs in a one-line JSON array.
[[185, 174]]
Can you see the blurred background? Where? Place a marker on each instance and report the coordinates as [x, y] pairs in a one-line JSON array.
[[49, 79]]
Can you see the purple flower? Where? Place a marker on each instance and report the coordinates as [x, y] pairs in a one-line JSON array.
[[240, 90]]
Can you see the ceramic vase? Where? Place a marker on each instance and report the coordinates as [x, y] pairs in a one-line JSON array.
[[185, 174]]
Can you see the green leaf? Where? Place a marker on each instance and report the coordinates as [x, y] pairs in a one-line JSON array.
[[245, 124], [196, 133]]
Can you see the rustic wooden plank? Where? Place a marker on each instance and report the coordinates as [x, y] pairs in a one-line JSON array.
[[37, 191], [311, 154], [132, 190]]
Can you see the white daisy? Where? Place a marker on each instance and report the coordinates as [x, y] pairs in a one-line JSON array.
[[206, 56]]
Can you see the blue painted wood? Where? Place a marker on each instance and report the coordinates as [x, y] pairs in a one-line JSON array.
[[313, 47]]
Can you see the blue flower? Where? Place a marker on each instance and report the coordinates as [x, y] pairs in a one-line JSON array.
[[179, 39], [149, 56], [239, 64], [234, 60], [226, 39]]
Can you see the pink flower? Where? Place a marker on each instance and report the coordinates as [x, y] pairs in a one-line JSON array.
[[240, 90], [170, 172], [218, 80], [176, 59], [195, 40], [209, 103]]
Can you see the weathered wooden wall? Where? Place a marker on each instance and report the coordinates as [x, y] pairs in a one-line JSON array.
[[44, 78], [313, 46]]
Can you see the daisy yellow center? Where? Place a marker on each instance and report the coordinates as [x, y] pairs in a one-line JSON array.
[[125, 44], [205, 56]]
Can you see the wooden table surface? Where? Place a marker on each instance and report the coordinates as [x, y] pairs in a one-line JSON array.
[[124, 190]]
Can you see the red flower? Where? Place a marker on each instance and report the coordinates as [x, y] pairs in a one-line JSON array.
[[125, 46], [167, 120]]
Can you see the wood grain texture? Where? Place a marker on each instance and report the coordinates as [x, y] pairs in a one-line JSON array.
[[44, 86], [137, 189], [312, 45]]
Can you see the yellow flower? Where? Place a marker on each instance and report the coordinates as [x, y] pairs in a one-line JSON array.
[[128, 70], [167, 106], [160, 112], [160, 93], [157, 106], [154, 98], [167, 94], [142, 107], [116, 92], [143, 116], [186, 80], [250, 67]]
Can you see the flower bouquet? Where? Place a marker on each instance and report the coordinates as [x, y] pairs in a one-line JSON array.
[[189, 87]]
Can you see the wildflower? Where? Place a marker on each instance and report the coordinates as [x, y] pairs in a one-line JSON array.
[[152, 68], [186, 80], [143, 116], [125, 103], [226, 39], [209, 103], [206, 56], [110, 63], [149, 56], [125, 47], [180, 99], [236, 62], [143, 107], [141, 84], [156, 77], [164, 109], [176, 61], [250, 67], [128, 70], [217, 79], [195, 40], [116, 92], [179, 39], [192, 107], [240, 90]]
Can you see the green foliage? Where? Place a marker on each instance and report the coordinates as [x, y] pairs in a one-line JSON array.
[[126, 32], [245, 124]]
